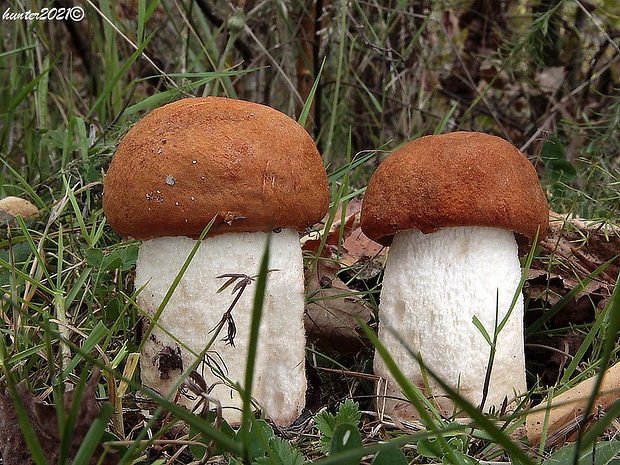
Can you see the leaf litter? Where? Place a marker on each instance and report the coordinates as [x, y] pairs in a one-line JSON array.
[[42, 417]]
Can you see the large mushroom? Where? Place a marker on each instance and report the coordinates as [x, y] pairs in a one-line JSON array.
[[451, 207], [259, 174]]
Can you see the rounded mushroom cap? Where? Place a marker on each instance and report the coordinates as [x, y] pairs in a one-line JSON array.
[[12, 206], [455, 179], [187, 162]]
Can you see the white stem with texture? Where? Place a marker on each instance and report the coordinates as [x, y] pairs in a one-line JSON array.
[[434, 285], [196, 308]]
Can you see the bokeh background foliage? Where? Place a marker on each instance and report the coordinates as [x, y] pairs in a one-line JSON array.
[[390, 71]]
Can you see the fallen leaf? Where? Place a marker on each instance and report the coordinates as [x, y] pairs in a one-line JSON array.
[[333, 309], [567, 409], [358, 247], [572, 250], [332, 312], [42, 417]]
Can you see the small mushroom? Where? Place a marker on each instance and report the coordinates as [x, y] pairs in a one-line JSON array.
[[10, 207], [254, 170], [451, 207]]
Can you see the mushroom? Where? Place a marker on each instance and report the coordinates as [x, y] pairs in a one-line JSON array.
[[259, 174], [11, 206], [454, 208]]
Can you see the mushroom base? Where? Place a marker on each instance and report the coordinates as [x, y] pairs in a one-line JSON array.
[[434, 285], [187, 323]]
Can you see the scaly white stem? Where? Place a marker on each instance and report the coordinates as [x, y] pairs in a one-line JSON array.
[[434, 286], [196, 308]]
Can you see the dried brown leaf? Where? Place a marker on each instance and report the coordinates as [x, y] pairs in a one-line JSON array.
[[357, 247], [331, 317], [567, 409], [42, 417], [572, 250]]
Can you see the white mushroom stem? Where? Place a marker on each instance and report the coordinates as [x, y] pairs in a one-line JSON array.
[[196, 308], [434, 285]]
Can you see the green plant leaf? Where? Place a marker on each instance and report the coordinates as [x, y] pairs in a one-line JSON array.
[[346, 438], [199, 451], [348, 412], [281, 454], [20, 253], [552, 149], [256, 440], [429, 448], [94, 257], [561, 170], [605, 453], [390, 456], [326, 423], [558, 167]]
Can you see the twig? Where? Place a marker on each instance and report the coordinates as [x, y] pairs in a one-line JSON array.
[[243, 281]]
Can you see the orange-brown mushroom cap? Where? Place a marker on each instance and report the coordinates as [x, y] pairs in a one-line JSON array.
[[248, 165], [455, 179]]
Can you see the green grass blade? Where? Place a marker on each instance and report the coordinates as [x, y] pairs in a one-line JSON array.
[[93, 437], [338, 79], [397, 442], [78, 287], [308, 103], [32, 441], [198, 424], [257, 313], [568, 297], [97, 334], [609, 346], [37, 254], [175, 284], [478, 418], [411, 392], [117, 77], [480, 326]]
